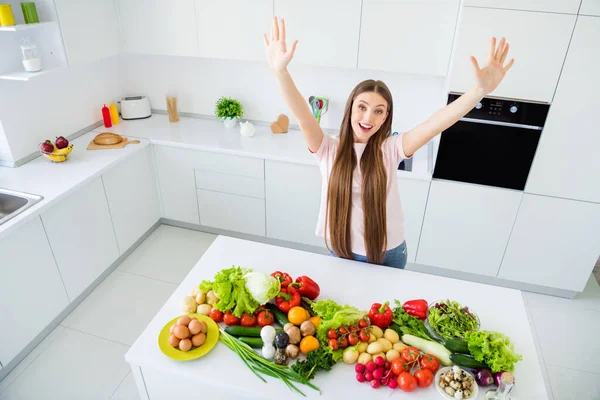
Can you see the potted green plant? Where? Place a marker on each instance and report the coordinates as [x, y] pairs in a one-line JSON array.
[[229, 111]]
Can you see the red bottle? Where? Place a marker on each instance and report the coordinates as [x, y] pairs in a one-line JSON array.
[[106, 117]]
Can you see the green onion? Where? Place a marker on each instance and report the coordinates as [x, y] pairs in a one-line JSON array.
[[259, 365]]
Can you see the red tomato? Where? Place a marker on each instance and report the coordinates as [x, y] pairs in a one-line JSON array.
[[398, 366], [342, 330], [248, 320], [230, 319], [430, 362], [424, 377], [216, 315], [410, 354], [331, 334], [352, 339], [407, 382], [343, 342], [265, 318], [333, 344], [362, 323], [353, 328], [363, 335]]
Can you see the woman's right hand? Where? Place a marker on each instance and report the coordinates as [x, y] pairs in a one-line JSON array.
[[278, 55]]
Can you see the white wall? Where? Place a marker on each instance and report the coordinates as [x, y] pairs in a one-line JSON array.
[[199, 82], [54, 104]]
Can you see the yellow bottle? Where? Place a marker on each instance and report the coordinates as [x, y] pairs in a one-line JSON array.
[[114, 114], [6, 15]]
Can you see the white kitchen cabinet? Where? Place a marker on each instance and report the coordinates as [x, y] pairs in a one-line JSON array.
[[82, 237], [232, 212], [132, 197], [159, 27], [590, 7], [538, 43], [233, 29], [88, 40], [31, 290], [554, 243], [175, 171], [293, 194], [466, 227], [407, 36], [327, 31], [566, 163], [555, 6], [413, 195]]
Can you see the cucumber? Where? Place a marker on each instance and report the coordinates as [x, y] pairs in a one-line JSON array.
[[254, 342], [457, 346], [279, 315], [466, 361], [238, 331]]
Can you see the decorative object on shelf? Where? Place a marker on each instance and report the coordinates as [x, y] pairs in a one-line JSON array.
[[114, 114], [31, 57], [6, 15], [29, 12], [172, 108], [106, 117], [281, 125], [58, 151], [247, 129], [318, 106], [229, 111], [109, 140]]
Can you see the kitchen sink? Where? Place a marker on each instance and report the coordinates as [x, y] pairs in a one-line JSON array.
[[13, 203]]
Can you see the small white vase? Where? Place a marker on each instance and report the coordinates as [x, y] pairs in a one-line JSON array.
[[247, 129], [230, 122]]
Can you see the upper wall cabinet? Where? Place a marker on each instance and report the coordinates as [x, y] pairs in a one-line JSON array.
[[85, 41], [538, 43], [158, 27], [556, 6], [407, 36], [233, 35], [590, 7], [327, 31]]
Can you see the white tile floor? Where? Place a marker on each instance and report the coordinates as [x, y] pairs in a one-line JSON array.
[[83, 357]]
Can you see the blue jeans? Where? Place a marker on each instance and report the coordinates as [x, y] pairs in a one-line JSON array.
[[395, 258]]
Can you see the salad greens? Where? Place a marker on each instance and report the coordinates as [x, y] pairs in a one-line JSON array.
[[230, 287], [333, 316], [451, 320], [326, 308], [321, 359], [494, 349], [261, 286], [405, 324]]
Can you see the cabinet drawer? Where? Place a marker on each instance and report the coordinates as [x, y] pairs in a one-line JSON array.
[[229, 164], [232, 184], [232, 212]]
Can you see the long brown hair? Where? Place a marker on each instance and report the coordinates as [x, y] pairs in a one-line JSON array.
[[374, 182]]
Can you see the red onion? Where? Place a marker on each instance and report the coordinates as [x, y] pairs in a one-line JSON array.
[[484, 377], [497, 377]]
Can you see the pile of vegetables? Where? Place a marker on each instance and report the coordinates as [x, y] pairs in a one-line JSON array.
[[451, 320]]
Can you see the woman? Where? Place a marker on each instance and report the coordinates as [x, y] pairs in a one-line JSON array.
[[361, 214]]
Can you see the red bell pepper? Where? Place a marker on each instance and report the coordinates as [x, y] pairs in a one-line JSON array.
[[283, 277], [381, 315], [416, 308], [287, 299], [307, 287]]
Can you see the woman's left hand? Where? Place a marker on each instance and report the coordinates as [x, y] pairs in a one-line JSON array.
[[489, 77]]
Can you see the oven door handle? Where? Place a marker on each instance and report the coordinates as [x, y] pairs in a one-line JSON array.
[[507, 124]]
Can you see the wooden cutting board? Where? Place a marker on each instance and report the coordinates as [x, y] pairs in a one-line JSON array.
[[125, 142]]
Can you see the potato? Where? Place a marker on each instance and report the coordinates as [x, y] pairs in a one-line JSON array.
[[201, 297], [387, 346], [350, 355], [399, 346], [375, 348], [372, 338], [391, 335], [204, 309], [375, 330], [362, 347], [392, 355], [364, 358]]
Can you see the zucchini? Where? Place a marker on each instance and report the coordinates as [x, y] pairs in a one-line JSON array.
[[247, 331], [429, 347], [254, 342], [279, 315], [457, 346], [467, 361]]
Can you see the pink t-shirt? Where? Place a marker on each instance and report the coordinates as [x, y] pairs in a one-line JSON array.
[[393, 154]]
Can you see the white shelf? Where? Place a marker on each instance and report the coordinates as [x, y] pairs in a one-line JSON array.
[[23, 27], [25, 76]]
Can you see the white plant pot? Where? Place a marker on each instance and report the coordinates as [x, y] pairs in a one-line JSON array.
[[230, 123], [247, 129]]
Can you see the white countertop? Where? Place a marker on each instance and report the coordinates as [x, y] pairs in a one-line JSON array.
[[346, 282], [211, 135], [55, 180]]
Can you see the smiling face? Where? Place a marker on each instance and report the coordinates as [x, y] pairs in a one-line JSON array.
[[369, 112]]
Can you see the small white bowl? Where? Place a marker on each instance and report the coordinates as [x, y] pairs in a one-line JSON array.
[[474, 392]]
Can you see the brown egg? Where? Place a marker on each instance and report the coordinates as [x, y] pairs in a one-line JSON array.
[[199, 339], [195, 327], [182, 332], [203, 326], [185, 345], [174, 341], [184, 321], [172, 327]]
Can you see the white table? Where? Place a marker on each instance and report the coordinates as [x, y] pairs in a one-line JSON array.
[[222, 375]]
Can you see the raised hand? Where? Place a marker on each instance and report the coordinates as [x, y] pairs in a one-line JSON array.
[[489, 77], [278, 55]]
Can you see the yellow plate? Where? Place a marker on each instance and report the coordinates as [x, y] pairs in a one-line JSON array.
[[212, 337]]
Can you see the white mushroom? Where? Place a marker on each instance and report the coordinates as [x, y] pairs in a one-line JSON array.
[[450, 391], [458, 395]]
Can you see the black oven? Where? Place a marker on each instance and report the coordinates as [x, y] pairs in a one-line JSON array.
[[493, 145]]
